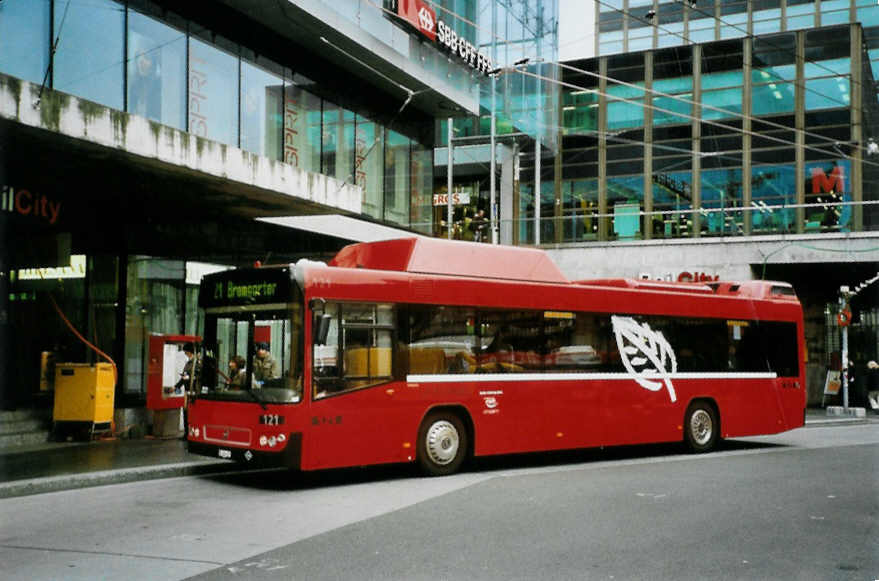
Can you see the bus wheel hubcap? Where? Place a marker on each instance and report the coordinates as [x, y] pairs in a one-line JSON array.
[[700, 427], [442, 442]]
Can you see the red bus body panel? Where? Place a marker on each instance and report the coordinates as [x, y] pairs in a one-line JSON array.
[[380, 423]]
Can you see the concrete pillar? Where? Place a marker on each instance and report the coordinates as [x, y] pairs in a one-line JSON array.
[[507, 158], [799, 135], [647, 206], [747, 193], [697, 142], [856, 91], [6, 399], [604, 221]]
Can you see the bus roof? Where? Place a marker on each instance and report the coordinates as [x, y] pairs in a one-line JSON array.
[[451, 257]]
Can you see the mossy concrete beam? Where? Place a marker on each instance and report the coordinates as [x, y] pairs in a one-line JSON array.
[[80, 119]]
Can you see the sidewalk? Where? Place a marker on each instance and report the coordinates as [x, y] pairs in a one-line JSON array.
[[51, 467], [819, 417], [55, 466]]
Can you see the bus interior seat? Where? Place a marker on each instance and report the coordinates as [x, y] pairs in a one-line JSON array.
[[368, 362], [426, 360]]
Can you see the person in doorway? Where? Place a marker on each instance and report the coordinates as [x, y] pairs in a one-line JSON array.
[[188, 381], [479, 224], [236, 373], [872, 386], [264, 365], [190, 368]]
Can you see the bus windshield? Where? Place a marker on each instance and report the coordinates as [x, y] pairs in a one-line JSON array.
[[253, 353]]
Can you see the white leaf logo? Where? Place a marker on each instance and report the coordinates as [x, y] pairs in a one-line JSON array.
[[646, 354]]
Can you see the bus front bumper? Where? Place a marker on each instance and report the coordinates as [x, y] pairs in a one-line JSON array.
[[289, 457]]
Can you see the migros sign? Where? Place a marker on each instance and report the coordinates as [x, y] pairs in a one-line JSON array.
[[423, 18]]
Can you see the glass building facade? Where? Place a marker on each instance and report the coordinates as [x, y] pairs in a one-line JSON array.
[[521, 96], [215, 80], [725, 138], [138, 58], [635, 25]]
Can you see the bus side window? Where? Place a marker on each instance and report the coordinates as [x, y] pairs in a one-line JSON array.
[[441, 340], [358, 350]]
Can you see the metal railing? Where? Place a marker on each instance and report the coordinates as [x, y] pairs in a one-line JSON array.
[[629, 222]]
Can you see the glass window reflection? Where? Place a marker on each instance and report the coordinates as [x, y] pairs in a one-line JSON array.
[[672, 202], [828, 194], [722, 104], [721, 196], [338, 142], [580, 210], [396, 200], [301, 138], [156, 71], [368, 158], [827, 93], [625, 196], [868, 15], [88, 61], [773, 188], [261, 111], [421, 211], [24, 39], [213, 93], [773, 98]]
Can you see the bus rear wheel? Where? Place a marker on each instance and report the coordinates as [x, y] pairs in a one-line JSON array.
[[701, 427], [442, 444]]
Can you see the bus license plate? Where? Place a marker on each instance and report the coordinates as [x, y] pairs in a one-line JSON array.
[[225, 453]]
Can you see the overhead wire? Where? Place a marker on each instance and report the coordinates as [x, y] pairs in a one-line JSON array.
[[730, 128], [728, 112], [832, 142], [766, 38]]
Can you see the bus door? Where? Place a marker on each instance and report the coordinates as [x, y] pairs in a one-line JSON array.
[[355, 417]]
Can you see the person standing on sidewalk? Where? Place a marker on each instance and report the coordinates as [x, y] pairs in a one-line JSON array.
[[872, 386]]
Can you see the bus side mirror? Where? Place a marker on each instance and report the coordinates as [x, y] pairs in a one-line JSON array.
[[322, 329]]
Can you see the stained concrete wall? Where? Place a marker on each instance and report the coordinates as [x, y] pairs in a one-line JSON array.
[[728, 258], [80, 119]]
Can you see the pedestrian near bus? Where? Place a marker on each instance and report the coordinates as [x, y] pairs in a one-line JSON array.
[[872, 386], [189, 381]]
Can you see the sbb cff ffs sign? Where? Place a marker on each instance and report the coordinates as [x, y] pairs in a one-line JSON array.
[[417, 13], [420, 15]]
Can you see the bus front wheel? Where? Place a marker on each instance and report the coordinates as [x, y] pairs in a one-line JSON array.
[[442, 444], [701, 427]]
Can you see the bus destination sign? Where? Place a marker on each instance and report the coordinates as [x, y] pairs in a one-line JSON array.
[[233, 287]]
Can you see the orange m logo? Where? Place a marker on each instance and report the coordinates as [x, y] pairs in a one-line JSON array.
[[826, 183]]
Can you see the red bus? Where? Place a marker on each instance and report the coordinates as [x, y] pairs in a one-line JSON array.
[[432, 351]]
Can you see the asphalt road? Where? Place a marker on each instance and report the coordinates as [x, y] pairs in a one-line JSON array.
[[802, 505]]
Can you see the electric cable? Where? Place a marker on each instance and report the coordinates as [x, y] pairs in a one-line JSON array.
[[729, 128], [728, 112], [81, 337]]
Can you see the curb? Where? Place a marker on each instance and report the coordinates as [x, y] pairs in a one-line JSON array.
[[88, 479], [835, 421]]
